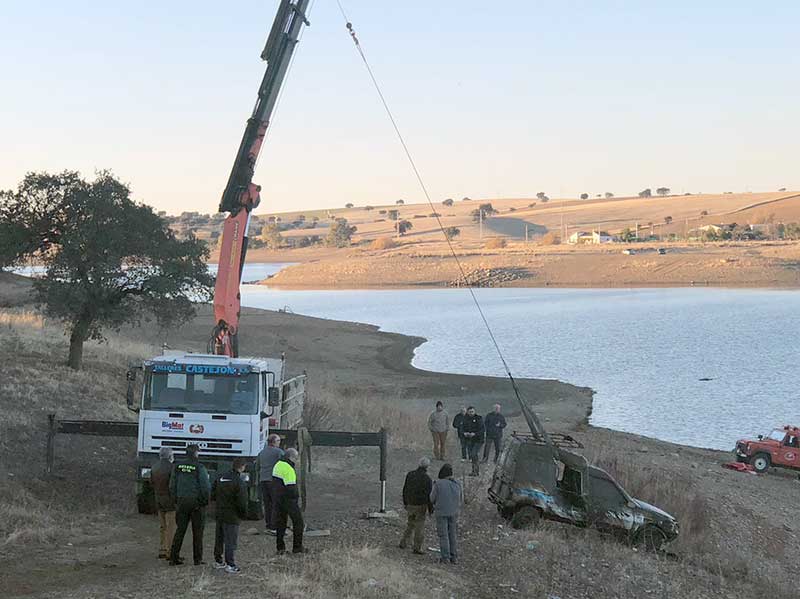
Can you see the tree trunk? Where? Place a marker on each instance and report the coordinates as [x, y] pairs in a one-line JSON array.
[[76, 339]]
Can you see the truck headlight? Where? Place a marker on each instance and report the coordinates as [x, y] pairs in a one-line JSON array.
[[246, 477], [145, 473]]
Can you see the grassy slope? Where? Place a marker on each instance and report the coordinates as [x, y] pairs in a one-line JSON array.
[[89, 502]]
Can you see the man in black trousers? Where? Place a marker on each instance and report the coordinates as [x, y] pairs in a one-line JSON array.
[[191, 488]]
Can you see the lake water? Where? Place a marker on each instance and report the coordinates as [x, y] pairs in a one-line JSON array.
[[643, 351]]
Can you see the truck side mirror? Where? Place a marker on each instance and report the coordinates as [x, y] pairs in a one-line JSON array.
[[131, 391], [274, 397], [760, 437]]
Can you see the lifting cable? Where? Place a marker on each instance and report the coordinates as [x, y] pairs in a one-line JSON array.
[[471, 290]]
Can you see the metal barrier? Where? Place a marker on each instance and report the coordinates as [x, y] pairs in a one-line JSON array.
[[112, 428]]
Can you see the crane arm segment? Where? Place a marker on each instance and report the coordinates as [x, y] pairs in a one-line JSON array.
[[241, 195]]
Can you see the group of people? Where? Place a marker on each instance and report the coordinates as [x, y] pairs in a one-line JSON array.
[[472, 430], [442, 499], [184, 489]]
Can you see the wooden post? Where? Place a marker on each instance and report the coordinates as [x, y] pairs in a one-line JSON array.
[[303, 447], [384, 445], [51, 435]]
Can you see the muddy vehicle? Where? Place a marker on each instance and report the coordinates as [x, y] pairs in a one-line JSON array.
[[535, 480], [779, 449]]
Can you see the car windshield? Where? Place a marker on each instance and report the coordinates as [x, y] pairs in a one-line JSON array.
[[181, 392], [776, 435]]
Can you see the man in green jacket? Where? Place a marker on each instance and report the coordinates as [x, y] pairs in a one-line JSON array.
[[190, 487]]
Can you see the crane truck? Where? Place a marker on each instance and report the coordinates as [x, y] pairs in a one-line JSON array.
[[218, 400]]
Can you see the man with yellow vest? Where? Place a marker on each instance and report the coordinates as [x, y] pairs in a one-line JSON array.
[[284, 487]]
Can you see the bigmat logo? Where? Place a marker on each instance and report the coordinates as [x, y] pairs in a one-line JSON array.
[[171, 426]]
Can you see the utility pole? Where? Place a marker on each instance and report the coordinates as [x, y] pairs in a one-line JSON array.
[[637, 231], [526, 232], [480, 224]]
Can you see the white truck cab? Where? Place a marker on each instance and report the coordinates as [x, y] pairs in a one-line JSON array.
[[224, 405]]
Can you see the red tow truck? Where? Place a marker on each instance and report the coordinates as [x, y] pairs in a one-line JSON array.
[[780, 449]]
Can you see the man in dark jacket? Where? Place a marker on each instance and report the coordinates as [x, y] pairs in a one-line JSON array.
[[285, 495], [267, 459], [473, 433], [159, 479], [494, 423], [230, 492], [458, 424], [190, 487], [417, 501]]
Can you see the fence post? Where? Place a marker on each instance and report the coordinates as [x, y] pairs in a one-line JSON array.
[[51, 435], [383, 441]]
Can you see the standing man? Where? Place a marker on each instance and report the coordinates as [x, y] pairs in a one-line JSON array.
[[417, 501], [439, 424], [495, 422], [230, 492], [190, 487], [159, 478], [447, 498], [285, 496], [458, 424], [473, 433], [267, 459]]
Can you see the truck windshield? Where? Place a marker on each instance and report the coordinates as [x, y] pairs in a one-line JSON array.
[[180, 392], [776, 435]]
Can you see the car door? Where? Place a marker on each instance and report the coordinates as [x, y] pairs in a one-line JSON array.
[[789, 454], [608, 506]]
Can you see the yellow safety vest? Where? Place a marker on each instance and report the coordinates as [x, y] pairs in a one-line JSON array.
[[285, 472]]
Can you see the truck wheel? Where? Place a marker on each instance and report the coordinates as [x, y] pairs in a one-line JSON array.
[[760, 462], [651, 538], [146, 502], [505, 512], [525, 517], [254, 511]]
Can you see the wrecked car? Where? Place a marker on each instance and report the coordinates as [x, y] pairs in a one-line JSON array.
[[537, 479], [780, 449]]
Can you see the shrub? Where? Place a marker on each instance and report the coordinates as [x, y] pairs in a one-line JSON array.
[[495, 243], [382, 243], [452, 232], [550, 238]]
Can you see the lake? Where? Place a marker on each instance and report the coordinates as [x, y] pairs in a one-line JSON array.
[[644, 351]]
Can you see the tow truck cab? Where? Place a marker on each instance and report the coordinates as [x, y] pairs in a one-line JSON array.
[[224, 405]]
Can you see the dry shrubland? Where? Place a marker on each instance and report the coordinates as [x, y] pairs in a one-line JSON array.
[[495, 243], [550, 238], [383, 243]]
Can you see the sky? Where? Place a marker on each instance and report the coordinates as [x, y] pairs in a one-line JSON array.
[[495, 99]]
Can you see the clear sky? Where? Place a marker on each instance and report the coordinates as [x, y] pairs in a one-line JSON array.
[[495, 98]]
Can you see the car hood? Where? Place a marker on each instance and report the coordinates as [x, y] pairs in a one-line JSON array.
[[653, 509]]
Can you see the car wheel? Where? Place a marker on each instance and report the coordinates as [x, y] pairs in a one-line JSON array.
[[525, 517], [506, 513], [651, 538], [760, 462]]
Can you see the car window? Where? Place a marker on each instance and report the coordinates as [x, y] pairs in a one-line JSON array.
[[777, 435], [791, 441], [605, 493]]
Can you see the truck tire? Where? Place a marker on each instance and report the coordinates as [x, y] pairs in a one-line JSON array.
[[760, 462], [146, 501], [651, 538], [254, 511], [525, 517]]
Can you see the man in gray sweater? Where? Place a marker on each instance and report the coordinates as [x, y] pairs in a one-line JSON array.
[[268, 457], [439, 424], [447, 498]]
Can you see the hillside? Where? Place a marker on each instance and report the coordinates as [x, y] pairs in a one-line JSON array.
[[75, 534]]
